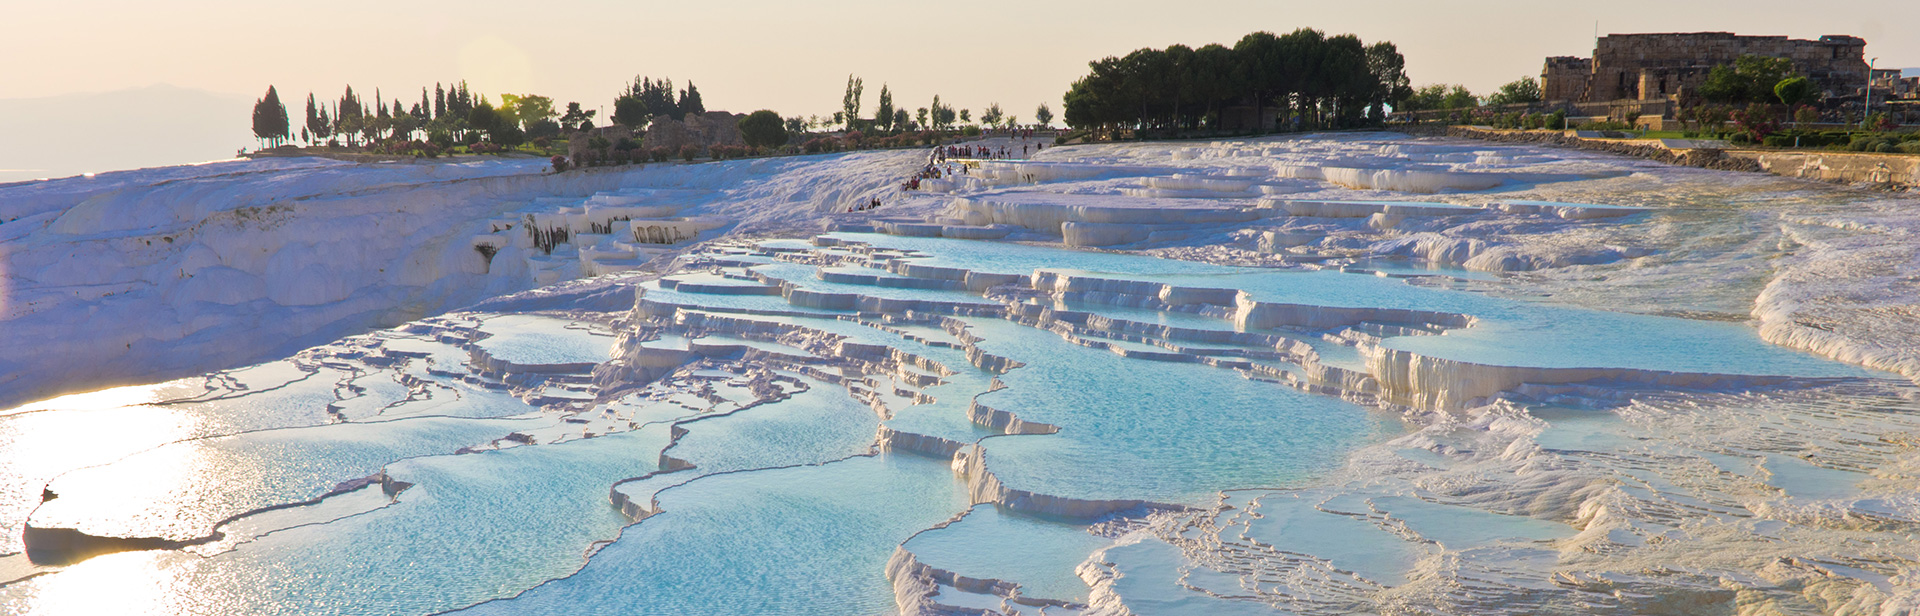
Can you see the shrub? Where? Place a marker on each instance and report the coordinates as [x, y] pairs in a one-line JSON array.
[[509, 136], [542, 142], [543, 128], [1808, 139], [1864, 143], [1606, 125], [559, 163], [763, 128], [1557, 121], [1910, 147], [970, 131], [440, 138], [689, 151]]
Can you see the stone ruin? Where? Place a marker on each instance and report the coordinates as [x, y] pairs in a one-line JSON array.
[[700, 129], [704, 130], [1660, 66]]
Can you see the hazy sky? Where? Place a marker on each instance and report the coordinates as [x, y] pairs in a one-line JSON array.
[[794, 56]]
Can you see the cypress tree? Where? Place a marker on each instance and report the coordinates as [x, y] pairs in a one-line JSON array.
[[850, 101], [270, 118], [690, 100], [439, 101], [310, 129], [883, 114]]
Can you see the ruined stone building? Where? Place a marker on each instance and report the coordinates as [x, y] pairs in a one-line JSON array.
[[1565, 78], [1660, 66]]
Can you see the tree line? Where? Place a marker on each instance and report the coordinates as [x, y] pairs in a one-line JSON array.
[[890, 117], [446, 116], [646, 98], [1304, 79]]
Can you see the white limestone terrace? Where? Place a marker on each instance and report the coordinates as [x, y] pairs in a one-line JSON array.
[[983, 427], [141, 275], [1663, 239]]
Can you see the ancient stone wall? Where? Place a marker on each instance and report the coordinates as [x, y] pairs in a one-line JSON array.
[[1651, 66], [1565, 78], [579, 142], [702, 130]]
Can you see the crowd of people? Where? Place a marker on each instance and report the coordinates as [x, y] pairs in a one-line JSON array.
[[938, 165], [1005, 152]]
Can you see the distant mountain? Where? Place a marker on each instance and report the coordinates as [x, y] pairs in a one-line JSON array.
[[70, 134]]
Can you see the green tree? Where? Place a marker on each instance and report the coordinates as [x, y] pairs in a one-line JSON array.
[[508, 135], [1430, 96], [940, 114], [347, 116], [642, 100], [460, 101], [485, 118], [921, 113], [1522, 90], [1806, 114], [575, 117], [1795, 91], [763, 128], [900, 119], [658, 95], [690, 100], [323, 127], [992, 115], [630, 112], [850, 101], [528, 109], [1043, 114], [314, 128], [1750, 79], [270, 119], [1305, 77], [1389, 71], [1459, 97], [1261, 60], [883, 113]]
